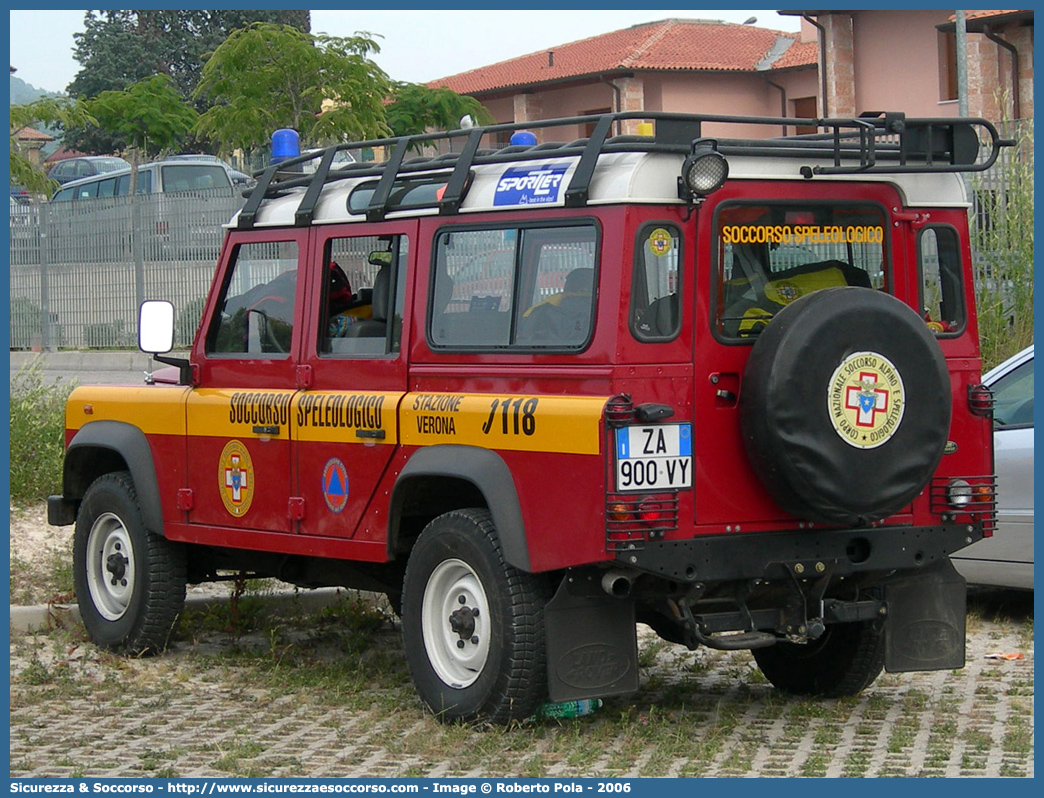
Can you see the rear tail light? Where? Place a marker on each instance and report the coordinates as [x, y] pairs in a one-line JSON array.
[[953, 497], [980, 400], [631, 520], [619, 410], [653, 509]]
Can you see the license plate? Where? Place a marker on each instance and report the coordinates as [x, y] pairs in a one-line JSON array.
[[654, 458]]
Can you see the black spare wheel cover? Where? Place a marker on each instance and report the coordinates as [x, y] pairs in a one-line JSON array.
[[845, 406]]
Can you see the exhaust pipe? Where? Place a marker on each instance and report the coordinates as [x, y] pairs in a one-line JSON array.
[[617, 583]]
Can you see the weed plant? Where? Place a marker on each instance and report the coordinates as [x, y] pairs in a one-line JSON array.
[[37, 434], [1002, 239]]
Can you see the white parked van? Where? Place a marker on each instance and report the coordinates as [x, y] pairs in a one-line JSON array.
[[153, 178]]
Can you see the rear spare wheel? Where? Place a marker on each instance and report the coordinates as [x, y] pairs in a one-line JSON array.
[[845, 406]]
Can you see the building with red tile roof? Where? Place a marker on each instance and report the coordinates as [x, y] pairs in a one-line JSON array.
[[30, 141], [907, 60], [679, 65]]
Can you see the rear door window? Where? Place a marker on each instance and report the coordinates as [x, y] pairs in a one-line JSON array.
[[769, 255]]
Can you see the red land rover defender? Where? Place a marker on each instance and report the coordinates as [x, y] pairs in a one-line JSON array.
[[724, 386]]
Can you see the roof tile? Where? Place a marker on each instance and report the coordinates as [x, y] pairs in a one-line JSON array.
[[684, 45]]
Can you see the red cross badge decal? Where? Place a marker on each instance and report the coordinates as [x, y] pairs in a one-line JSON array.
[[236, 478], [866, 400]]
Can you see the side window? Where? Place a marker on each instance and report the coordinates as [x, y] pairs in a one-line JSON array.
[[144, 182], [1014, 397], [256, 316], [87, 191], [520, 287], [107, 188], [769, 255], [194, 177], [655, 309], [939, 257], [364, 293]]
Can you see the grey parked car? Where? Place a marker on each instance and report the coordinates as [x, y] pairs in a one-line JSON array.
[[1006, 559], [86, 166]]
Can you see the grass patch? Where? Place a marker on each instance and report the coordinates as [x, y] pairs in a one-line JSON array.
[[1002, 238], [37, 434]]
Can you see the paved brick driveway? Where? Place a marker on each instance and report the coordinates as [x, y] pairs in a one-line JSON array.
[[212, 707]]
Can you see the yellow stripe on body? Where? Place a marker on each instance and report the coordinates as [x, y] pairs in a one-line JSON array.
[[217, 413], [338, 416], [563, 424], [154, 409]]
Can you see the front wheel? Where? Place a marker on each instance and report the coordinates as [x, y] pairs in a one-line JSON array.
[[844, 661], [473, 626], [130, 582]]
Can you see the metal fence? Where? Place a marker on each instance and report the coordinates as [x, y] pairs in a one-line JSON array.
[[79, 270]]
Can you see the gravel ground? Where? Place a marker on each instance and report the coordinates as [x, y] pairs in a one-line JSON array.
[[328, 694]]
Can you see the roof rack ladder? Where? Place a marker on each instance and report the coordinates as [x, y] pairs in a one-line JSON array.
[[579, 186], [303, 214], [454, 193], [378, 206]]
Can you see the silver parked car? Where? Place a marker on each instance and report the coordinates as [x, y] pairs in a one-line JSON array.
[[1006, 559]]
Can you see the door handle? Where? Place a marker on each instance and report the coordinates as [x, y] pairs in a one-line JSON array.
[[272, 429]]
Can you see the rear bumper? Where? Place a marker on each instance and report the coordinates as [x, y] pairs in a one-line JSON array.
[[803, 553]]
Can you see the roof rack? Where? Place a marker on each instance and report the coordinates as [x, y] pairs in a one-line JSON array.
[[872, 143]]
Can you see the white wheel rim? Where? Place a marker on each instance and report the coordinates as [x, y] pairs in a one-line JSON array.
[[110, 566], [455, 620]]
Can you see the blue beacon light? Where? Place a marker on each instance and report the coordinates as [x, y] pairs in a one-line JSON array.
[[286, 144]]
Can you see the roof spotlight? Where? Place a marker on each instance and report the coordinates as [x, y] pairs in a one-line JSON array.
[[705, 169]]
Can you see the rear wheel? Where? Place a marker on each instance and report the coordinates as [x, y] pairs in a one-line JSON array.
[[130, 582], [473, 625], [844, 661]]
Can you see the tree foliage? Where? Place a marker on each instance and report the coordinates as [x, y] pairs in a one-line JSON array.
[[151, 114], [120, 48], [43, 112], [267, 77], [415, 108]]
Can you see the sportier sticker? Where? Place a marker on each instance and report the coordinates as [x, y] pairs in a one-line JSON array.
[[236, 478], [866, 400]]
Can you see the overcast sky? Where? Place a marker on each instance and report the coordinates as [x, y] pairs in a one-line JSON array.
[[416, 46]]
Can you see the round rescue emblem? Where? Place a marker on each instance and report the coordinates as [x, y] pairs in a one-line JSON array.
[[866, 400], [660, 241], [236, 478], [335, 485]]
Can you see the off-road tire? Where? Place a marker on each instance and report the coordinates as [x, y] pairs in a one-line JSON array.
[[501, 677], [844, 661], [129, 601]]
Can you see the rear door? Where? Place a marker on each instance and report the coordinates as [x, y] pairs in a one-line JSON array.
[[760, 246]]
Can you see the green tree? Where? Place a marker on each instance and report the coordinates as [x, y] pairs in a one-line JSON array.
[[415, 109], [267, 77], [46, 111], [120, 48], [151, 115]]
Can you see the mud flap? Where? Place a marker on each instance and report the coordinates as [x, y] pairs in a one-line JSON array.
[[926, 615], [592, 642]]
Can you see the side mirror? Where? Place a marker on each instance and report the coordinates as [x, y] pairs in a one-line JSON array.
[[156, 327], [156, 336]]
